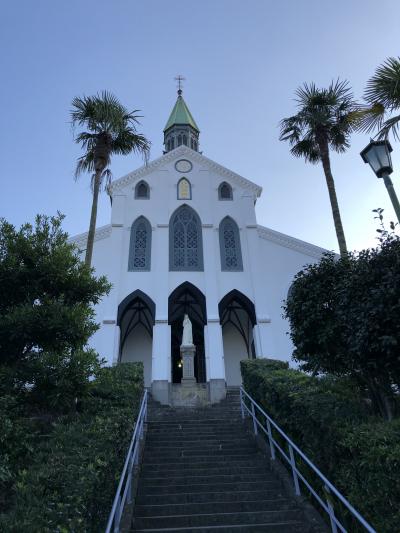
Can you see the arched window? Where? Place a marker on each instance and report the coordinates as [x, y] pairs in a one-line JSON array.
[[172, 143], [184, 140], [140, 245], [179, 140], [229, 242], [225, 191], [142, 191], [185, 240], [184, 189]]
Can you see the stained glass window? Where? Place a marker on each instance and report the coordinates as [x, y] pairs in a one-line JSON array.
[[186, 251], [229, 241], [140, 245], [184, 189]]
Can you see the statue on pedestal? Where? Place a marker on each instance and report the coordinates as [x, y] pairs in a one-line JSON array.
[[187, 337], [188, 351]]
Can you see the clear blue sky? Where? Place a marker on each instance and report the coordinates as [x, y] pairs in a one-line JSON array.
[[243, 62]]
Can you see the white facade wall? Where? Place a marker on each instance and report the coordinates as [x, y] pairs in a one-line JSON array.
[[270, 260]]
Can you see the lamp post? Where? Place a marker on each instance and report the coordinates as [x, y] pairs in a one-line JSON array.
[[377, 154]]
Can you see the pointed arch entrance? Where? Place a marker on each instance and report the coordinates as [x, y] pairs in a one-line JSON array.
[[136, 317], [187, 299], [237, 317]]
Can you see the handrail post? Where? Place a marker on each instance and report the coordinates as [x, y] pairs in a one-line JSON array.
[[331, 510], [271, 442], [253, 414], [241, 402], [295, 477]]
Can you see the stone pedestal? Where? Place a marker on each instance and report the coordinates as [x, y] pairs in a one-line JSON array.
[[188, 351]]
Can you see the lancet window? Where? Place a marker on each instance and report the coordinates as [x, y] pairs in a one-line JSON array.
[[225, 191], [140, 245], [229, 241], [185, 240], [142, 191]]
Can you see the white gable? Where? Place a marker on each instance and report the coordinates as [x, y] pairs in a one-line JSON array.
[[196, 157]]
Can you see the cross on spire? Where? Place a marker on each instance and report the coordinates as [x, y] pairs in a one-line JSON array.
[[179, 79]]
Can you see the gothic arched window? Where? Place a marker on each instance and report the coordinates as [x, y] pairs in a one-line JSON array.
[[179, 139], [229, 243], [185, 240], [184, 138], [184, 189], [225, 191], [140, 245], [142, 191]]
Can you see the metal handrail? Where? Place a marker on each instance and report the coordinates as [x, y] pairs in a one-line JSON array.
[[124, 490], [291, 459]]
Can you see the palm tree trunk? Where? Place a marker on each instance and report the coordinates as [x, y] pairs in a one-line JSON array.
[[93, 217], [324, 150]]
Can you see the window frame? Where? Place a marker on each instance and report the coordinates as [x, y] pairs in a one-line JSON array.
[[222, 247], [200, 263], [138, 184], [223, 184], [132, 242]]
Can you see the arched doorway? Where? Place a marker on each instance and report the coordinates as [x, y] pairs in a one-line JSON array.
[[237, 318], [136, 314], [187, 299]]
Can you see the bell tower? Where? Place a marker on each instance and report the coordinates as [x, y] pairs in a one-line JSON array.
[[181, 127]]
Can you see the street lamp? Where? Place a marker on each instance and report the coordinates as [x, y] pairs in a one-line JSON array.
[[377, 154]]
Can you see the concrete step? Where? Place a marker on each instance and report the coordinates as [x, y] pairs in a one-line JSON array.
[[286, 527], [221, 519], [176, 488], [166, 470], [208, 478], [232, 495], [219, 459], [212, 507]]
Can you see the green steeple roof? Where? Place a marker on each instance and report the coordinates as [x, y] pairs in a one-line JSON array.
[[181, 115]]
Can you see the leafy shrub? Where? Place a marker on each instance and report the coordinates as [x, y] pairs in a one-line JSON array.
[[69, 481], [333, 425]]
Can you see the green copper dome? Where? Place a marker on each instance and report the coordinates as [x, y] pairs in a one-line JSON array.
[[181, 115]]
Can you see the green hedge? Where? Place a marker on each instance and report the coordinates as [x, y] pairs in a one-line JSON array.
[[329, 421], [68, 476]]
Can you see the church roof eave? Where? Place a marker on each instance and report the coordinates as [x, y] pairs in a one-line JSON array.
[[293, 243], [181, 151]]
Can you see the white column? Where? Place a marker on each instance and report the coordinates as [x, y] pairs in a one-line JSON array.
[[161, 353], [263, 338], [161, 361], [213, 332]]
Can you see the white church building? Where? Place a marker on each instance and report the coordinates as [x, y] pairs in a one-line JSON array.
[[184, 239]]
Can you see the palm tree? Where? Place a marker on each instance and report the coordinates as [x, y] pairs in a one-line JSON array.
[[325, 120], [111, 129], [382, 95]]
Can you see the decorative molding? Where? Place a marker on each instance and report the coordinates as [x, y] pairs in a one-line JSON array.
[[252, 226], [161, 321], [80, 240], [291, 242], [108, 321], [117, 225], [178, 153], [162, 225], [207, 225], [213, 320]]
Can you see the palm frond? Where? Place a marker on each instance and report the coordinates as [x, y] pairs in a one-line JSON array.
[[391, 125], [384, 85], [308, 149], [370, 117]]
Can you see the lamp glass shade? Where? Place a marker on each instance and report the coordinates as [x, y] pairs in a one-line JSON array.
[[377, 154]]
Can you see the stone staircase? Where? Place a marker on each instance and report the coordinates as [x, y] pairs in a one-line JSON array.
[[202, 472]]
